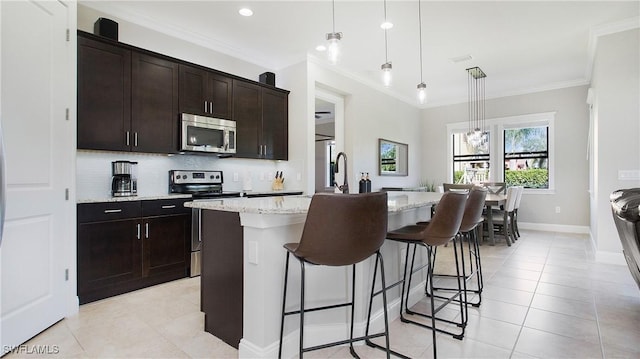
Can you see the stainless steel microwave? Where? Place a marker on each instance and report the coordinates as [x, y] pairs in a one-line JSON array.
[[207, 134]]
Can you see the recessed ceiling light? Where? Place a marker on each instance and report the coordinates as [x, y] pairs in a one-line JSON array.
[[462, 58], [321, 48], [386, 25], [245, 11]]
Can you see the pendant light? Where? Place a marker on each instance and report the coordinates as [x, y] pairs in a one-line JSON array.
[[477, 135], [422, 87], [333, 38], [386, 67]]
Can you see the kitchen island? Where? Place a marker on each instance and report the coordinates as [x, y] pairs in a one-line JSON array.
[[243, 269]]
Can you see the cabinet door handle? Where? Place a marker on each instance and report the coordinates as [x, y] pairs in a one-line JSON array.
[[169, 206], [138, 228], [135, 139], [127, 138], [146, 230], [107, 211], [205, 106], [210, 106]]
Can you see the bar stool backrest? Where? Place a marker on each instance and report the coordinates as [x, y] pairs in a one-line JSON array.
[[446, 221], [343, 229], [473, 209], [456, 187]]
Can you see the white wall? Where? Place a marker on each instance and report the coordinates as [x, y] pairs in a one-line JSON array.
[[616, 110], [571, 165], [369, 115]]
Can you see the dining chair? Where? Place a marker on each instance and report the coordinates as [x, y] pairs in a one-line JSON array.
[[340, 230], [514, 217], [457, 186], [495, 187], [442, 228], [506, 214]]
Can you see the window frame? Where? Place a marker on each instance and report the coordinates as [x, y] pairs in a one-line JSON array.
[[496, 127]]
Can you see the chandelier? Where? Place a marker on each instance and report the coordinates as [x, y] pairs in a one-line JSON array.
[[477, 135]]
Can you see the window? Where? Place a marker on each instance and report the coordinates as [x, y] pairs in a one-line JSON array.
[[470, 164], [526, 157], [519, 151]]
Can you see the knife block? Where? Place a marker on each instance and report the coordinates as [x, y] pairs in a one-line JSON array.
[[278, 184]]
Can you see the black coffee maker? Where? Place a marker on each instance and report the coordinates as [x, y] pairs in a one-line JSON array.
[[123, 181]]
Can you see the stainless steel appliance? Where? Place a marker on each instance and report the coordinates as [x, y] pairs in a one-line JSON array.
[[207, 134], [201, 185], [123, 181]]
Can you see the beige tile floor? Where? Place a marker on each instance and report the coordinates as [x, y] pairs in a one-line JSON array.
[[544, 297]]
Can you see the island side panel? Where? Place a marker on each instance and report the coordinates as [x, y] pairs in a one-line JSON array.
[[222, 275]]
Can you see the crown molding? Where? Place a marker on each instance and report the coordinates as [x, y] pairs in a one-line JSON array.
[[602, 30]]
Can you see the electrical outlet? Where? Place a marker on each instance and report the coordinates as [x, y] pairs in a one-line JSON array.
[[236, 177], [557, 209]]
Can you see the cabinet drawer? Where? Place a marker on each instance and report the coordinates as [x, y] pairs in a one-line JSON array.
[[108, 211], [162, 207]]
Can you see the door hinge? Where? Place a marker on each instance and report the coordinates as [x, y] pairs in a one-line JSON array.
[[68, 35], [66, 274], [66, 194], [66, 114]]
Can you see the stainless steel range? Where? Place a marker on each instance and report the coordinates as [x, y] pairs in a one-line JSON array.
[[201, 185]]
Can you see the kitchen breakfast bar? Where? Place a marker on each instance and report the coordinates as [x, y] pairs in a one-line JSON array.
[[243, 265]]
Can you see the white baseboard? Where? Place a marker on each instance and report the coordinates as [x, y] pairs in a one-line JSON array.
[[610, 258], [547, 227]]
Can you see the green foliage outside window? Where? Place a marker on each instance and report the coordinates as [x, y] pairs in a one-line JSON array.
[[531, 178]]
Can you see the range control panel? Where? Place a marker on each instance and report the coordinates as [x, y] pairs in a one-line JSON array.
[[195, 177]]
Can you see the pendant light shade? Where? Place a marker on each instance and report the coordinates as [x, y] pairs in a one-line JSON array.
[[422, 92], [333, 38], [386, 73], [333, 46]]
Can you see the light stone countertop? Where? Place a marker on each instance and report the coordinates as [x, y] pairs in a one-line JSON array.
[[133, 198], [397, 201]]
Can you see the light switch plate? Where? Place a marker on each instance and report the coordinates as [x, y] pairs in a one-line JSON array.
[[629, 175], [253, 252]]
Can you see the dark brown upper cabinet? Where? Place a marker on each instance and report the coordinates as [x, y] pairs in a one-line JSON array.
[[204, 92], [154, 104], [261, 116], [275, 124], [127, 100], [104, 96]]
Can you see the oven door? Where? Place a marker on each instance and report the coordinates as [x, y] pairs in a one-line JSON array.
[[207, 134]]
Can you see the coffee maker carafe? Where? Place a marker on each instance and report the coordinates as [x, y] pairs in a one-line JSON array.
[[123, 181]]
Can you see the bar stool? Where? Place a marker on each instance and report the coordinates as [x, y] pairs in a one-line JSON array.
[[471, 221], [340, 230], [442, 228]]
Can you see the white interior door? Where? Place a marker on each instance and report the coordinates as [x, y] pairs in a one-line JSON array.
[[38, 168]]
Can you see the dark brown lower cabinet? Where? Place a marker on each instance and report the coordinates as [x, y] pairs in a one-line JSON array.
[[124, 246], [222, 275]]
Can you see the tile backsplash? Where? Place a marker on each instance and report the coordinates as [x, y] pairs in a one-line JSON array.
[[93, 172]]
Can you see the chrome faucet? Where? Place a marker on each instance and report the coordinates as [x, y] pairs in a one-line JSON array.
[[345, 186]]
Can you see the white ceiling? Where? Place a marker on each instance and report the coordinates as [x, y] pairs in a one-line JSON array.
[[521, 46]]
